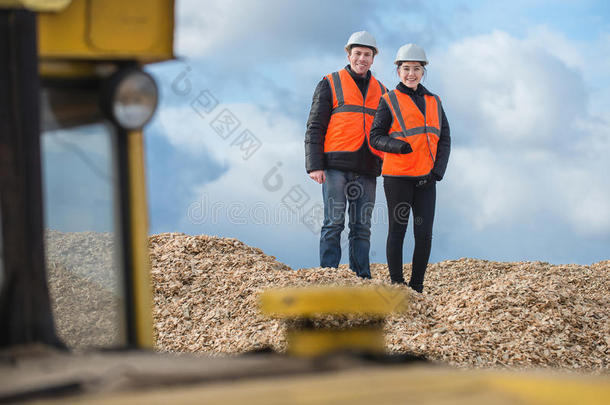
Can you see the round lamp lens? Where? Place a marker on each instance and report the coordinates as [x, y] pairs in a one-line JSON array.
[[135, 100]]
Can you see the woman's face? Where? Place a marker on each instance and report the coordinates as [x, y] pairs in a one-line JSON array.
[[410, 73]]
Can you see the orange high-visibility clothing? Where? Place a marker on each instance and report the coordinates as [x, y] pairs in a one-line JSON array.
[[352, 115], [421, 131]]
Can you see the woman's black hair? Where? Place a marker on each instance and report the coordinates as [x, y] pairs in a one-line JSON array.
[[422, 65]]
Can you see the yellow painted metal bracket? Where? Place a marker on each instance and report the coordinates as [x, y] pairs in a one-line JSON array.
[[318, 342], [325, 300]]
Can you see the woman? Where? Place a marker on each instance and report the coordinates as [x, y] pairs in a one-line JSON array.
[[410, 126]]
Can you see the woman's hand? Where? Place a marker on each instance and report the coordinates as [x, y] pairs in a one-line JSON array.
[[406, 148], [318, 176], [430, 179]]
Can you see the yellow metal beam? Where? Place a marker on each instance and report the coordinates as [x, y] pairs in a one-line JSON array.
[[36, 5], [139, 240], [68, 69], [549, 389], [424, 385]]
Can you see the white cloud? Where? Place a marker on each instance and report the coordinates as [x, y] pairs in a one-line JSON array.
[[277, 29], [485, 187], [511, 91], [570, 52], [201, 27], [525, 141], [280, 139], [582, 196]]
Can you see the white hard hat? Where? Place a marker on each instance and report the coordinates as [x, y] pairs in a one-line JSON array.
[[411, 53], [361, 38]]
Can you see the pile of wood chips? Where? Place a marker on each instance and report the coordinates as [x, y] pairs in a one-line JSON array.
[[473, 313], [85, 288]]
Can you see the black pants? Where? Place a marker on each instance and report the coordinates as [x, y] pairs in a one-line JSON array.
[[402, 197]]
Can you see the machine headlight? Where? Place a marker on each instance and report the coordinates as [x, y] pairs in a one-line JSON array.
[[133, 97]]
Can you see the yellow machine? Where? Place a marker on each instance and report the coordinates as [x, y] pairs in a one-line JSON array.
[[75, 296], [93, 98]]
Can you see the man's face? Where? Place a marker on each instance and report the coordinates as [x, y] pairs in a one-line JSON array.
[[360, 59]]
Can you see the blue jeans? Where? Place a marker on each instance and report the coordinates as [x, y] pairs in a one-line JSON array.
[[340, 189]]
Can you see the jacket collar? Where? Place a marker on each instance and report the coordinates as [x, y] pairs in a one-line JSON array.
[[420, 91], [355, 76]]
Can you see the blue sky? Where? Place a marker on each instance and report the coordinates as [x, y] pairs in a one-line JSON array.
[[78, 179], [524, 85]]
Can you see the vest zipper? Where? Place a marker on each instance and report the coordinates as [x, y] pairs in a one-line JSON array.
[[366, 91], [426, 131]]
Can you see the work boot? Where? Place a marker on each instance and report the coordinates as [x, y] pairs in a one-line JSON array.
[[417, 287]]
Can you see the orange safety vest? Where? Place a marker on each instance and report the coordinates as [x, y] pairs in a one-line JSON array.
[[422, 131], [352, 116]]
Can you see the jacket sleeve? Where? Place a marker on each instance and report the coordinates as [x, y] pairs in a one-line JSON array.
[[380, 129], [443, 149], [319, 117]]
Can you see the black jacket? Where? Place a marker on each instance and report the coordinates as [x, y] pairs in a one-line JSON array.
[[360, 161], [383, 121]]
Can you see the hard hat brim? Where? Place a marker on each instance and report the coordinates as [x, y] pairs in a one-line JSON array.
[[424, 63], [347, 47]]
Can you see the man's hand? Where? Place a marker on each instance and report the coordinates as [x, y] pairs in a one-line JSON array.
[[318, 176]]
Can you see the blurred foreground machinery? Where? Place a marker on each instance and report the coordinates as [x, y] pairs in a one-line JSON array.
[[74, 97]]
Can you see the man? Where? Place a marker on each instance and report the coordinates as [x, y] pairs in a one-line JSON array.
[[338, 154]]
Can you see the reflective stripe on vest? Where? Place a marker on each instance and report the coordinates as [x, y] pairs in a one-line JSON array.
[[422, 131], [352, 114]]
